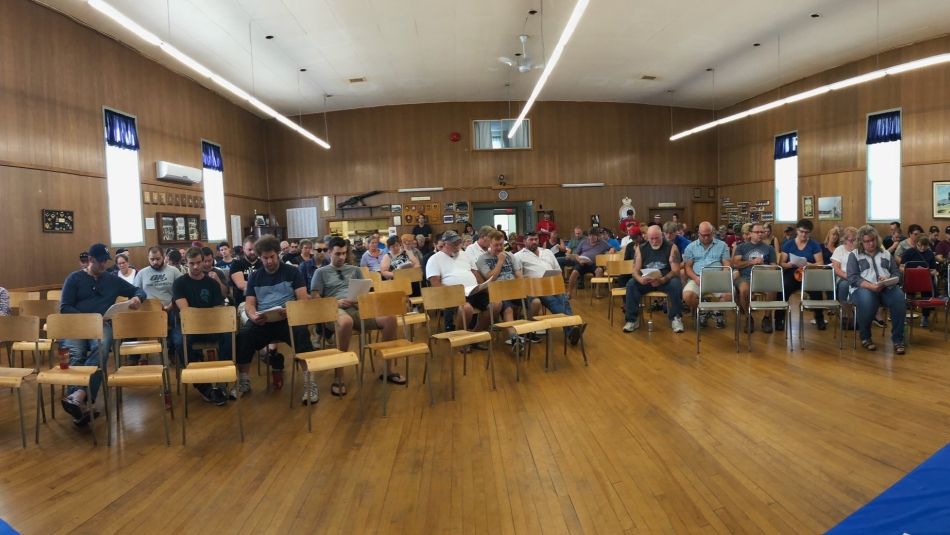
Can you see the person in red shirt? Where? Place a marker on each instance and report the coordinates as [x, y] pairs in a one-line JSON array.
[[627, 221], [544, 228]]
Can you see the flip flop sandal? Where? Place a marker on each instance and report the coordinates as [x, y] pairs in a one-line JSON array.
[[338, 389], [394, 378], [869, 345], [900, 349]]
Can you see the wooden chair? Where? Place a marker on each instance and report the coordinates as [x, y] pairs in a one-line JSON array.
[[374, 276], [217, 320], [437, 299], [550, 286], [315, 312], [77, 327], [151, 305], [413, 275], [41, 309], [717, 280], [54, 295], [601, 261], [410, 318], [379, 305], [23, 329], [617, 268], [818, 279], [18, 297], [515, 290], [127, 327], [767, 280]]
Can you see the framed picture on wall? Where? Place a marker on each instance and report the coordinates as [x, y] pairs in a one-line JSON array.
[[941, 199], [829, 208], [697, 193], [808, 206], [147, 197]]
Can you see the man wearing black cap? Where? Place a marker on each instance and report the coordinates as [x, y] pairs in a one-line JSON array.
[[92, 290], [449, 266]]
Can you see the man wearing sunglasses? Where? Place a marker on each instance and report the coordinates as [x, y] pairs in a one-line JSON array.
[[312, 262], [92, 290]]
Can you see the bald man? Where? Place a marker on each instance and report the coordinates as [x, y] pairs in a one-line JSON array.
[[655, 269], [706, 251]]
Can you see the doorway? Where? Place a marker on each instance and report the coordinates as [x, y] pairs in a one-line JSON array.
[[514, 217]]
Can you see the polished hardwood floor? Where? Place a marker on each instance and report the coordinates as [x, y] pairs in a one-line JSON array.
[[649, 438]]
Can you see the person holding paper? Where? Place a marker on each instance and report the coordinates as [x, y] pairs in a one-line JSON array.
[[796, 254], [265, 297], [537, 262], [655, 269], [157, 280], [397, 258], [92, 290], [753, 252], [839, 262], [334, 281], [451, 266], [585, 254], [198, 290], [498, 264], [868, 267], [708, 250]]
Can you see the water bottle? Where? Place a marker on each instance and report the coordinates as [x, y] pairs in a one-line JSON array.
[[63, 358], [650, 326]]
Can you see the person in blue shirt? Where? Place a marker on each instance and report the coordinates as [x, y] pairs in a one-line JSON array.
[[674, 235], [706, 251], [92, 290], [796, 254]]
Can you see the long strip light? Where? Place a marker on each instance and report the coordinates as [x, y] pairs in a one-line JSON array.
[[848, 82], [186, 60], [552, 62], [584, 185], [420, 190]]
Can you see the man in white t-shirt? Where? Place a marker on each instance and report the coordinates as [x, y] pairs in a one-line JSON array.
[[450, 267], [481, 245], [535, 261]]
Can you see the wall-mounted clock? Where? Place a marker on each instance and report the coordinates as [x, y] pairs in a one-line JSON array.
[[503, 195]]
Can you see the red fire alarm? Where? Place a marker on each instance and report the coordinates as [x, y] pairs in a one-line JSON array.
[[454, 137]]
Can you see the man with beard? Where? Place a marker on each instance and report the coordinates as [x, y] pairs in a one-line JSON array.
[[754, 252], [242, 268], [655, 269], [535, 261], [156, 281]]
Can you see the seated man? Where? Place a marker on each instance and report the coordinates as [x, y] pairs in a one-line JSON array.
[[333, 280], [662, 259], [198, 290], [92, 290], [706, 251], [156, 281], [535, 261], [753, 252], [450, 266], [269, 288], [585, 257], [501, 265], [868, 267], [214, 273], [908, 243]]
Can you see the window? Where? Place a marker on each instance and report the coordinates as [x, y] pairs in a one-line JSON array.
[[786, 177], [213, 178], [884, 166], [122, 179], [493, 135]]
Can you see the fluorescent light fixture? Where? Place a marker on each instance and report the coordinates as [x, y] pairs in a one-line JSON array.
[[190, 63], [126, 22], [552, 62], [848, 82], [186, 60], [584, 185], [417, 190]]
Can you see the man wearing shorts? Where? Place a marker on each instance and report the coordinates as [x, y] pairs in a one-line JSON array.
[[754, 252], [706, 251], [448, 267]]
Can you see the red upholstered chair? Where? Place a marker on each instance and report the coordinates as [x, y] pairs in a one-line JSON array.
[[917, 280]]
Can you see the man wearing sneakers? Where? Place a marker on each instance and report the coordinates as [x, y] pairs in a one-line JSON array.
[[334, 281], [754, 252], [156, 281], [502, 265], [535, 262], [267, 291], [656, 268], [197, 290], [706, 251]]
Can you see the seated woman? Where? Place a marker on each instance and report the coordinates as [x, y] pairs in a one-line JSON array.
[[372, 257], [839, 261], [397, 258], [922, 256], [796, 254], [831, 243], [868, 267], [124, 269]]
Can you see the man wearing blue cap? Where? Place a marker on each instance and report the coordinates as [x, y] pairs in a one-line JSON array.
[[92, 290]]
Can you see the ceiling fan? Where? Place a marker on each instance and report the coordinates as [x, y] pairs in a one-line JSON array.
[[521, 61]]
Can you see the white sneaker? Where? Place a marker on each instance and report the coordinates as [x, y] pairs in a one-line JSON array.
[[678, 325], [631, 326], [243, 387], [310, 392]]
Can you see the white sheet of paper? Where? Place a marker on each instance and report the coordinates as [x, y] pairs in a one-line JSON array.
[[650, 273], [797, 260], [553, 273], [118, 308], [890, 282], [470, 290], [358, 287], [149, 223], [272, 314]]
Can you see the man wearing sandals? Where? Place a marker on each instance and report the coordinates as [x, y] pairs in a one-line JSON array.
[[868, 266], [333, 281]]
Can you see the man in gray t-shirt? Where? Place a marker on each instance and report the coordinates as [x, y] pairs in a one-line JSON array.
[[156, 281], [754, 252]]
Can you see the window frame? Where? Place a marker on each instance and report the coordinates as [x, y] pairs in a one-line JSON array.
[[867, 169], [775, 179], [105, 161], [525, 124], [204, 192]]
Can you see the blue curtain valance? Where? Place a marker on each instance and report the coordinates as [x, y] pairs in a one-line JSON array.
[[884, 127], [120, 131], [211, 156], [786, 146]]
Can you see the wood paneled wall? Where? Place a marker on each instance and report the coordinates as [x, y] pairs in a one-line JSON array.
[[832, 133], [55, 77]]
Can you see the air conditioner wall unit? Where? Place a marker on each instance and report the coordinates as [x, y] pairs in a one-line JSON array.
[[173, 172]]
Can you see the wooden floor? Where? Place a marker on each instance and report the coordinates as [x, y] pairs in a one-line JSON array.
[[649, 439]]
